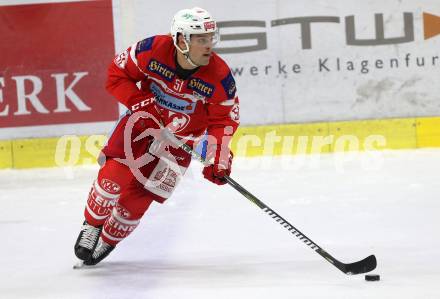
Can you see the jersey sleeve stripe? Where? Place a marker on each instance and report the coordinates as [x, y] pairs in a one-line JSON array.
[[133, 54], [228, 102]]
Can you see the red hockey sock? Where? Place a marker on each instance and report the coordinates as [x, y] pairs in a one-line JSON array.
[[117, 201], [102, 198]]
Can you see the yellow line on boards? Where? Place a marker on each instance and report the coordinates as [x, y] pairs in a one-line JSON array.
[[268, 140]]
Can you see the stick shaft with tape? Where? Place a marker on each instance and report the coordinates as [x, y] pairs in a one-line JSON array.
[[366, 265]]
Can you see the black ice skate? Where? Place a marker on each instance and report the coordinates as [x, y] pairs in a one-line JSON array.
[[101, 251], [87, 241]]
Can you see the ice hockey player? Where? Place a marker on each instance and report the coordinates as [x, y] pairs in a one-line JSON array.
[[172, 81]]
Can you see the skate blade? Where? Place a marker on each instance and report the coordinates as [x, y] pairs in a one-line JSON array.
[[78, 265], [81, 265]]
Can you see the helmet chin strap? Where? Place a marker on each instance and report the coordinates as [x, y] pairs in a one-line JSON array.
[[189, 60], [186, 54]]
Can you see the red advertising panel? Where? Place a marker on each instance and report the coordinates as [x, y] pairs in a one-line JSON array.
[[53, 63]]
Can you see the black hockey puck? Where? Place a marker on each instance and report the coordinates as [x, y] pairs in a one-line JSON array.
[[372, 277]]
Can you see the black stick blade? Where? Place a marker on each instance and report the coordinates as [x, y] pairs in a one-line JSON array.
[[366, 265]]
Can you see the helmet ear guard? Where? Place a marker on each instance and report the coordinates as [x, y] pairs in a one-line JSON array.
[[186, 40]]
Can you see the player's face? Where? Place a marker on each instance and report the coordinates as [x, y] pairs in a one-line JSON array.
[[201, 46]]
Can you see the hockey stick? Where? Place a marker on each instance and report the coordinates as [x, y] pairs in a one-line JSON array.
[[366, 265]]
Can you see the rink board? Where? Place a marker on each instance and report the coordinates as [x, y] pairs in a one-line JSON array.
[[398, 133], [6, 154], [53, 152], [428, 132], [273, 140]]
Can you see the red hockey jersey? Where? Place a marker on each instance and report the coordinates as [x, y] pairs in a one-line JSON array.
[[206, 100]]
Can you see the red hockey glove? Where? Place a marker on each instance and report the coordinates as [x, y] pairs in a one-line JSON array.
[[222, 161]]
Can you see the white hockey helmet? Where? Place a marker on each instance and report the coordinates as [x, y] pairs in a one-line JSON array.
[[194, 20]]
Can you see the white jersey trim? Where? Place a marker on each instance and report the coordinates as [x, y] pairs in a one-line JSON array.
[[133, 53], [229, 102], [134, 59]]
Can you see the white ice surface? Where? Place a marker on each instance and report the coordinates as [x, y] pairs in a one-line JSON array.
[[210, 242]]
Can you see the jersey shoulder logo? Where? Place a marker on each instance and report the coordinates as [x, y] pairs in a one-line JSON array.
[[144, 45], [229, 85]]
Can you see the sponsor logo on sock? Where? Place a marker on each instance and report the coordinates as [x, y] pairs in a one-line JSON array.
[[110, 186], [122, 212]]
